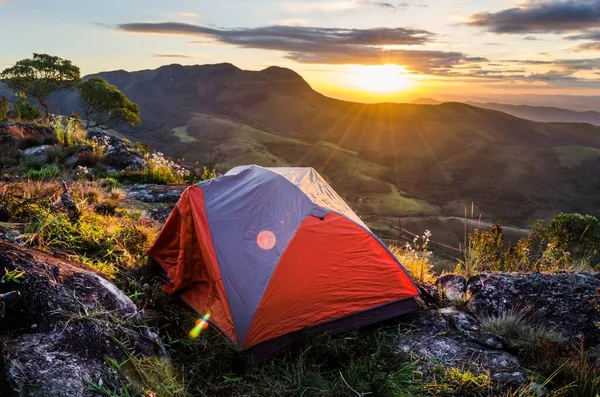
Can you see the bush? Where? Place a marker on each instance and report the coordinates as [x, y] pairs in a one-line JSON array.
[[69, 133], [25, 110], [4, 108], [574, 233]]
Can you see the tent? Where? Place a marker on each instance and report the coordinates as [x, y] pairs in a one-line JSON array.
[[275, 254]]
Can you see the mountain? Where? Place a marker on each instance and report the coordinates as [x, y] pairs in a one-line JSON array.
[[543, 113], [387, 160]]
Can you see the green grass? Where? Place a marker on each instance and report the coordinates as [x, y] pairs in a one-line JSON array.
[[182, 134], [574, 156]]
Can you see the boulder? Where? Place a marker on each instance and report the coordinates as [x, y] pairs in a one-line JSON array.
[[120, 155], [125, 159], [558, 301], [437, 341], [55, 341], [451, 286], [38, 152]]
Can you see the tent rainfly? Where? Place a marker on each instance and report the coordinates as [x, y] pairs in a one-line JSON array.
[[275, 254]]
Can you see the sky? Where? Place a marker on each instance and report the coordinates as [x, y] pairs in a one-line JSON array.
[[365, 50]]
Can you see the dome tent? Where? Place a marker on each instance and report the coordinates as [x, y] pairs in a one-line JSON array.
[[275, 253]]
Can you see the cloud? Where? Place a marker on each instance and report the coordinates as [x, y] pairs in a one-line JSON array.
[[587, 47], [530, 38], [430, 62], [288, 38], [188, 14], [173, 56], [380, 4], [317, 45], [495, 44], [570, 65], [533, 16], [592, 35]]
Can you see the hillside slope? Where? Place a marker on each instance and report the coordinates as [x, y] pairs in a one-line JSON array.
[[386, 159], [542, 113]]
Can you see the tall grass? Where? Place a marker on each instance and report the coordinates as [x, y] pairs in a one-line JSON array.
[[416, 258]]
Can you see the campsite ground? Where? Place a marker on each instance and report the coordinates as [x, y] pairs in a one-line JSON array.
[[479, 334]]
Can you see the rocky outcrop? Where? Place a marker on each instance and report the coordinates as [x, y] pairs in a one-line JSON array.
[[558, 301], [157, 200], [55, 341], [451, 336], [452, 339], [120, 155]]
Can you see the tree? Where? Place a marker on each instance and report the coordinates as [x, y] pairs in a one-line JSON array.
[[105, 104], [41, 75]]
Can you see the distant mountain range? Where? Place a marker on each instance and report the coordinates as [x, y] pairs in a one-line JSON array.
[[545, 114], [388, 160]]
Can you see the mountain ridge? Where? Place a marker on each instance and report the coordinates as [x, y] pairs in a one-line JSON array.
[[386, 159]]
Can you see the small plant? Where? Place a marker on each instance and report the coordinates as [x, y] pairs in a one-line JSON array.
[[11, 276], [416, 258], [535, 343], [164, 171], [45, 173], [68, 132]]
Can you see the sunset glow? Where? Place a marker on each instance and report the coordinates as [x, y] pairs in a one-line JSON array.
[[384, 79]]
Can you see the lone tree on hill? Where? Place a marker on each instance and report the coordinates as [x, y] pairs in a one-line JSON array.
[[41, 75], [105, 105]]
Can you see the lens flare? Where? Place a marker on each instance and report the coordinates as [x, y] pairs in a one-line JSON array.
[[266, 240], [200, 325]]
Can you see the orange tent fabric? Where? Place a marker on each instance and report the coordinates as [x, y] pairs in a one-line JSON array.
[[273, 252]]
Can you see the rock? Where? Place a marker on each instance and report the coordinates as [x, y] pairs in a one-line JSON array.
[[120, 155], [38, 152], [155, 193], [451, 286], [80, 157], [509, 378], [125, 159], [55, 340], [431, 337], [469, 327], [558, 301], [3, 214]]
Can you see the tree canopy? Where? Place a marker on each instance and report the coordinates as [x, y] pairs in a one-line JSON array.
[[105, 104], [39, 76]]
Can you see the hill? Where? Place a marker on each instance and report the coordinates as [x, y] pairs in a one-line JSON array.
[[543, 113], [386, 159]]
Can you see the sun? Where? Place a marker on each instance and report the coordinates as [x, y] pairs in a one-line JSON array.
[[380, 79]]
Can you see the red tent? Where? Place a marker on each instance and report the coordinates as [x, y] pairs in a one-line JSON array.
[[274, 253]]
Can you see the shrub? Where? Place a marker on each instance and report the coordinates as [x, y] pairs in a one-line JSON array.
[[25, 110], [68, 132], [416, 258], [163, 171], [574, 233], [4, 108]]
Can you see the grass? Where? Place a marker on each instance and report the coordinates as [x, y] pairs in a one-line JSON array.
[[537, 346], [182, 134], [574, 156], [416, 258], [107, 236]]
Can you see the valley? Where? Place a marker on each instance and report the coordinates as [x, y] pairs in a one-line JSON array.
[[387, 160]]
